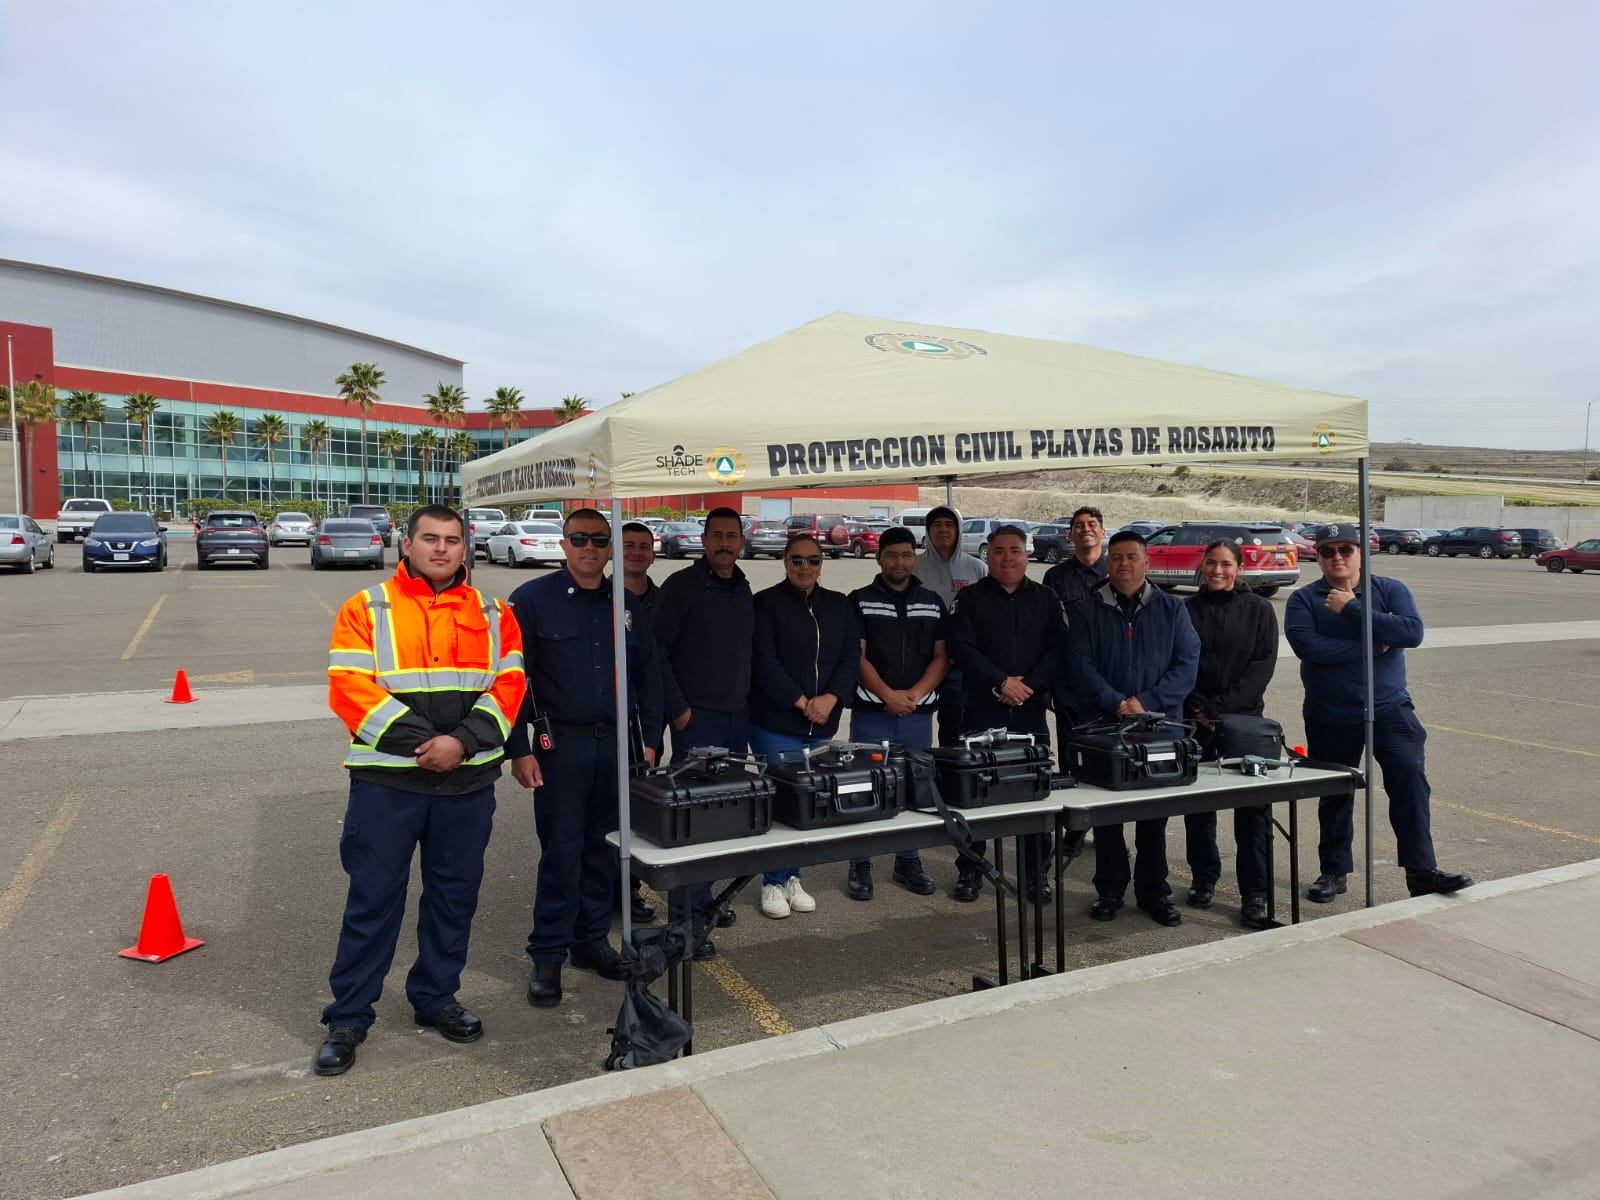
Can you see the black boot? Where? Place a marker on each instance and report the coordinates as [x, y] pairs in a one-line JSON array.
[[859, 884], [544, 987]]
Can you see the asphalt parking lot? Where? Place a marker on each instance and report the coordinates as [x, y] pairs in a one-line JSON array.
[[119, 1071]]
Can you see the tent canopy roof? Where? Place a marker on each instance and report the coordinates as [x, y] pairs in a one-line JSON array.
[[848, 400]]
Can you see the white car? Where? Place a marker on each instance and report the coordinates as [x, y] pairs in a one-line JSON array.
[[976, 530], [291, 527], [481, 522], [526, 543]]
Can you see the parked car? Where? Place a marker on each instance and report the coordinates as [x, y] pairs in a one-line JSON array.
[[24, 544], [482, 523], [526, 544], [347, 542], [1303, 545], [1270, 558], [830, 529], [1482, 540], [78, 515], [1585, 556], [976, 531], [230, 535], [1145, 529], [863, 539], [679, 538], [125, 539], [377, 514], [1399, 541], [764, 537], [291, 527], [1050, 542], [1537, 541]]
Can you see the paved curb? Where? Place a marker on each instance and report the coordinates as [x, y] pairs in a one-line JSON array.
[[293, 1163]]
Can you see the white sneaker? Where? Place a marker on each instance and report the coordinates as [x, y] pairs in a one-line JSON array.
[[799, 899], [774, 903]]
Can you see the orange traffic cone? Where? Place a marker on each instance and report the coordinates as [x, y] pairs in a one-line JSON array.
[[180, 690], [161, 935]]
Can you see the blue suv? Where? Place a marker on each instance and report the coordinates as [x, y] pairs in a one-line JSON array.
[[125, 539]]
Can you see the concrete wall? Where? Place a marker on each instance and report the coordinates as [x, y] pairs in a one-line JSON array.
[[1446, 512]]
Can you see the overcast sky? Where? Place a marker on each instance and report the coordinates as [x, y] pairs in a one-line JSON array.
[[1393, 200]]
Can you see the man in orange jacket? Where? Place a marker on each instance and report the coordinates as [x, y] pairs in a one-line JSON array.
[[426, 672]]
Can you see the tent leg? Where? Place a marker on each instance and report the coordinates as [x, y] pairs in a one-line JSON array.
[[950, 490], [1367, 656], [619, 640]]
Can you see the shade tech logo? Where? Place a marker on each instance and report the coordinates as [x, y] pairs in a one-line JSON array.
[[680, 463], [724, 466], [924, 347]]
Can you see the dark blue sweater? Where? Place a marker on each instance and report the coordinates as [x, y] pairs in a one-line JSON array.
[[1152, 653], [1328, 645]]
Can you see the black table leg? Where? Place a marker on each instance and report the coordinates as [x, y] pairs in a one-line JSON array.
[[1272, 872], [1002, 947], [1294, 862], [677, 901]]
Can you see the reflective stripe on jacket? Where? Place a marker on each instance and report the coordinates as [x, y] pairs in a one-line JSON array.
[[406, 665]]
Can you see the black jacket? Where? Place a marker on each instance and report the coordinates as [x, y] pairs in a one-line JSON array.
[[804, 646], [1238, 652], [1073, 581], [900, 631], [705, 624], [994, 634]]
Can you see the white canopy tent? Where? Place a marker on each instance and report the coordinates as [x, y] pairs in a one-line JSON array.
[[848, 400]]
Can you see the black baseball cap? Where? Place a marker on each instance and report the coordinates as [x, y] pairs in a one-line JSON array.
[[1329, 534]]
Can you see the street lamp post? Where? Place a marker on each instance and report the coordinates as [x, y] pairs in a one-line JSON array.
[[1587, 410]]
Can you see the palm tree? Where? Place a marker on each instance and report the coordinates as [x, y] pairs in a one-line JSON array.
[[35, 406], [426, 443], [359, 386], [141, 408], [222, 427], [447, 404], [463, 447], [270, 430], [570, 409], [314, 436], [84, 408], [505, 406], [393, 443]]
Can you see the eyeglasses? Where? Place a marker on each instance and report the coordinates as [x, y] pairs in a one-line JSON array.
[[599, 540], [805, 560], [1342, 549]]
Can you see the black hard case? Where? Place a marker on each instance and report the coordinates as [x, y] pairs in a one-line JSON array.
[[992, 768], [1123, 759], [836, 785], [708, 799]]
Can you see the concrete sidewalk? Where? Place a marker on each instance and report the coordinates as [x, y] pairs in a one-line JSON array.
[[1444, 1046], [142, 712]]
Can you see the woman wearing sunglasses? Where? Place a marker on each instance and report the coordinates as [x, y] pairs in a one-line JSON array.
[[1238, 633], [802, 673]]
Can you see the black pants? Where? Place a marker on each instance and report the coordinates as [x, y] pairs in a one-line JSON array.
[[573, 812], [1149, 873], [708, 727], [1251, 829], [1398, 742], [383, 829], [986, 713]]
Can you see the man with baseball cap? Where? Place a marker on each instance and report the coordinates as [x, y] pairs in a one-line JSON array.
[[1323, 621]]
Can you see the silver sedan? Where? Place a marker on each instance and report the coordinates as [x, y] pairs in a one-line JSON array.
[[24, 545], [346, 542]]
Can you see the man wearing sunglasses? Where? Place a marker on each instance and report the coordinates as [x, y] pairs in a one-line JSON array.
[[1324, 626], [567, 626]]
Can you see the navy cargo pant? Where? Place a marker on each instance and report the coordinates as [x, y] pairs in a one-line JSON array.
[[572, 813], [1252, 827], [708, 727], [1398, 741], [383, 826]]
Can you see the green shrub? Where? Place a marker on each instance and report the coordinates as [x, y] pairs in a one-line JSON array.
[[1397, 464]]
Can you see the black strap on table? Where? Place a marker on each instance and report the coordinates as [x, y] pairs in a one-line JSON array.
[[960, 835]]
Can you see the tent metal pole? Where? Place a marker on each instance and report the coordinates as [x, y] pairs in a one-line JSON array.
[[950, 490], [619, 641], [1368, 653]]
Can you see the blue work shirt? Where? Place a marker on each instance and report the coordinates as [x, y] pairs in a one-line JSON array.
[[1328, 645], [1149, 650], [706, 626], [571, 658]]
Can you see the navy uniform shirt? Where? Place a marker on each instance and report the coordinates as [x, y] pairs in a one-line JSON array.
[[706, 624], [570, 653]]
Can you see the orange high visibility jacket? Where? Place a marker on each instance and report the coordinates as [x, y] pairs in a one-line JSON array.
[[406, 665]]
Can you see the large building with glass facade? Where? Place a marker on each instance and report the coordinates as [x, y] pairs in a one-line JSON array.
[[200, 357]]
